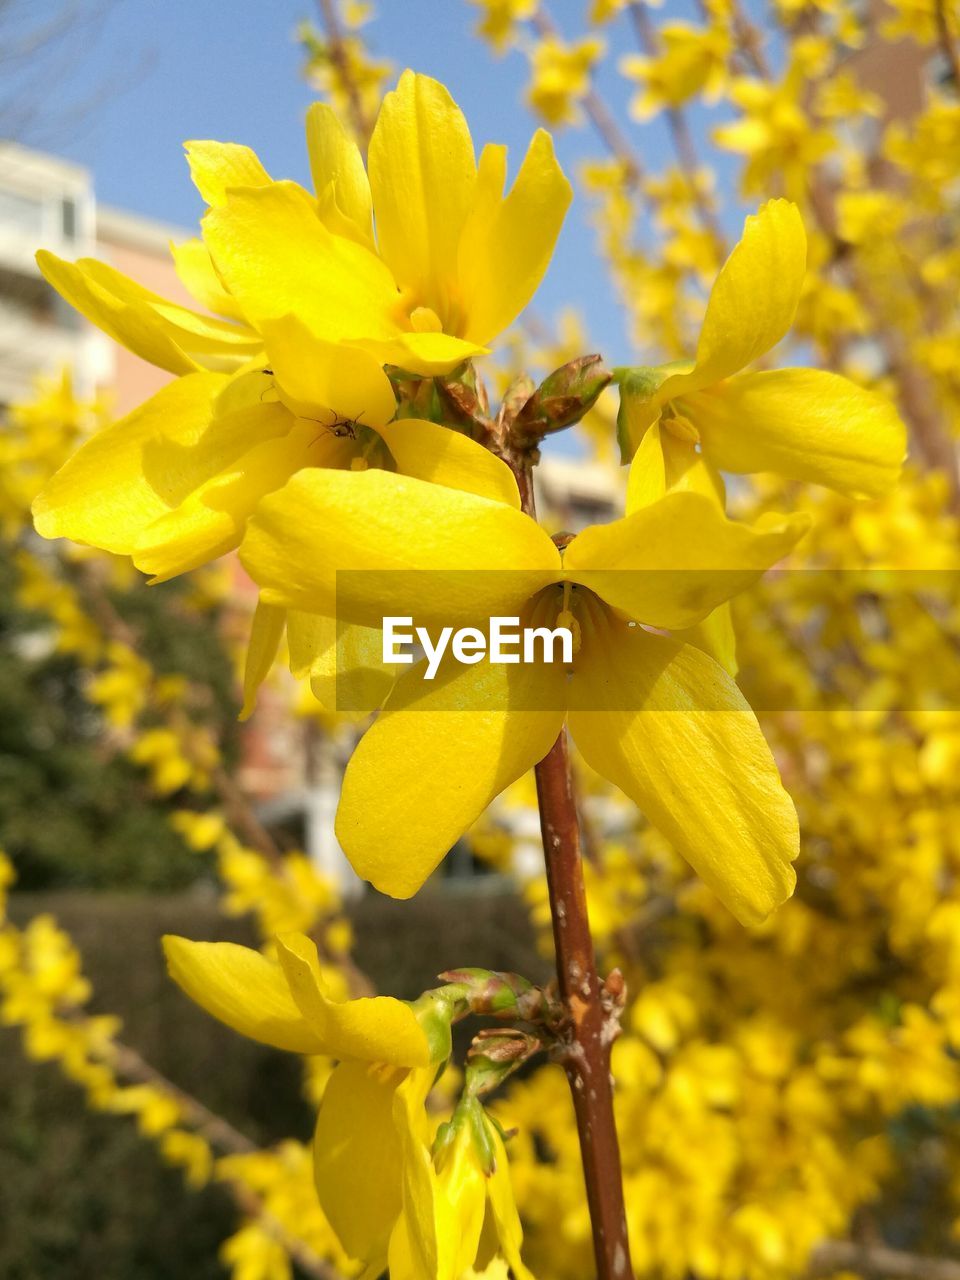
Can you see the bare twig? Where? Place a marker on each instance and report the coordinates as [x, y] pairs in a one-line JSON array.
[[877, 1262], [362, 124]]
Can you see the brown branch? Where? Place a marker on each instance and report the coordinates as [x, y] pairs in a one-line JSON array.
[[600, 115], [680, 134], [877, 1262], [587, 1057], [947, 43], [362, 124], [592, 1027]]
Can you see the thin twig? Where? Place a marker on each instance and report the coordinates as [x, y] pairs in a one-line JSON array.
[[947, 43], [680, 134], [600, 115], [880, 1263], [591, 1028], [362, 125]]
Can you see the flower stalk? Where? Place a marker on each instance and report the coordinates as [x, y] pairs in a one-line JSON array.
[[591, 1008]]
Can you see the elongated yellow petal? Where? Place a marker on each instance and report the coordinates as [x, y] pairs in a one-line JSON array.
[[672, 562], [315, 375], [358, 1162], [715, 635], [425, 353], [243, 989], [504, 1206], [373, 1029], [266, 632], [503, 253], [133, 326], [345, 663], [426, 1239], [102, 496], [754, 300], [669, 727], [803, 423], [361, 546], [335, 158], [278, 259], [436, 756], [213, 518], [663, 462], [215, 167], [195, 269], [422, 174], [441, 456]]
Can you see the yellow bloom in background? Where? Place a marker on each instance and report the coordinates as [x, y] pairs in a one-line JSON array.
[[560, 77], [440, 752], [805, 424], [693, 61]]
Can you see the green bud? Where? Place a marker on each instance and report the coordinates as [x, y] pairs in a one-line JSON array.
[[562, 399]]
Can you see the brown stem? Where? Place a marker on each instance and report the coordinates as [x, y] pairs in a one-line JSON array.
[[592, 1029], [880, 1262], [601, 117], [362, 125], [948, 45], [587, 1059]]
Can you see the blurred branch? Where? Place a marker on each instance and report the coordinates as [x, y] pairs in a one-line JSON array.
[[947, 43], [683, 142], [600, 115], [339, 57], [877, 1262]]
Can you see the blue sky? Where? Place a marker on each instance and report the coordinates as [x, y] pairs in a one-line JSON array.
[[161, 73]]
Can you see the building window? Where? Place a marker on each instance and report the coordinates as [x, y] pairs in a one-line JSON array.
[[68, 219]]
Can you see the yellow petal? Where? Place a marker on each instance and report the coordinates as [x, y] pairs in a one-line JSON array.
[[313, 374], [465, 557], [372, 1029], [667, 725], [672, 562], [102, 496], [436, 756], [754, 300], [424, 1245], [212, 519], [504, 252], [806, 424], [243, 989], [195, 269], [358, 1158], [345, 663], [335, 158], [277, 259], [662, 463], [428, 354], [442, 456], [266, 632], [134, 327], [215, 167], [422, 174], [715, 636], [504, 1206]]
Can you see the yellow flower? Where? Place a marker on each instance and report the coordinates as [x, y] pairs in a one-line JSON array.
[[173, 484], [454, 261], [693, 61], [457, 1204], [560, 77], [441, 751], [806, 424], [380, 1043]]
